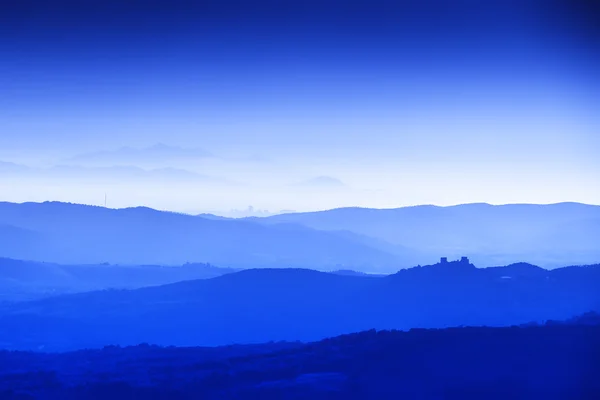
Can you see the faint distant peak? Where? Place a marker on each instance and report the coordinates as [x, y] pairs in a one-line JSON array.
[[120, 172], [322, 181], [162, 147], [251, 158], [6, 166], [156, 152]]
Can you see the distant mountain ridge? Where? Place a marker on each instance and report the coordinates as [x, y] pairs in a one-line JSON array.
[[79, 234], [547, 235], [367, 240]]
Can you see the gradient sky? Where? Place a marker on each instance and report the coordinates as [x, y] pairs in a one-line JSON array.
[[405, 102]]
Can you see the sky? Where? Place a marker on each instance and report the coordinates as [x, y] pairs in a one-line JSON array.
[[286, 105]]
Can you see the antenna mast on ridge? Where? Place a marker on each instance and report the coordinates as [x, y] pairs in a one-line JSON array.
[[104, 200]]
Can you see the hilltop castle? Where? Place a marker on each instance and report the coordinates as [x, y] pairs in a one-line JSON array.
[[463, 260]]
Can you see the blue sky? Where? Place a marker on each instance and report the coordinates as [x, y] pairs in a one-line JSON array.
[[404, 102]]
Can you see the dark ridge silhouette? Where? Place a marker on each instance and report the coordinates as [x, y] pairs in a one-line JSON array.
[[350, 272], [519, 270], [556, 360], [547, 235], [26, 280], [261, 305], [79, 234]]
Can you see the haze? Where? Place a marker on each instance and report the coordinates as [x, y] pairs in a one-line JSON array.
[[383, 106]]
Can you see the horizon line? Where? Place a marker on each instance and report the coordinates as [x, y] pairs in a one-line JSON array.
[[218, 213]]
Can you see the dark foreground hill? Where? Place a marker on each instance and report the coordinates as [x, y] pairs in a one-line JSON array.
[[254, 306], [551, 362], [27, 280]]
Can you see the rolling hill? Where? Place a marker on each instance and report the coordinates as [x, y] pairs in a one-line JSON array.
[[26, 280], [261, 305], [454, 363]]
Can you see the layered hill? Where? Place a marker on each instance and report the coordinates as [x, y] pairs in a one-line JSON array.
[[547, 235], [79, 234], [26, 280], [367, 240], [260, 305], [453, 363]]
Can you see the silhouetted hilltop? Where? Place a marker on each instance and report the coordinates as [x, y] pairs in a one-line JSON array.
[[259, 305], [588, 318], [445, 267], [519, 270]]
